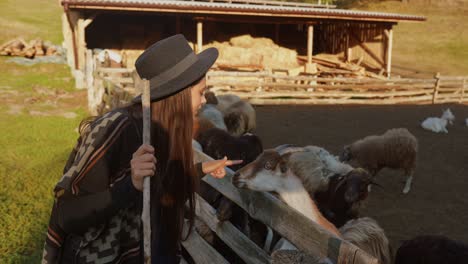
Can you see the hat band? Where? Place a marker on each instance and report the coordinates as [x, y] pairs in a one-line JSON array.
[[175, 70]]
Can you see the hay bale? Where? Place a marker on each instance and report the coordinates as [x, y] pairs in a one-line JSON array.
[[262, 53]]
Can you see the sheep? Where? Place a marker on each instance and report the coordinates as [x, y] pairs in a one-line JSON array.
[[439, 125], [224, 101], [239, 116], [341, 201], [217, 144], [432, 249], [396, 149], [295, 174], [435, 124], [210, 113], [367, 235]]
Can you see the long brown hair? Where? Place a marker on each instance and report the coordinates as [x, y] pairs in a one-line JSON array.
[[174, 183]]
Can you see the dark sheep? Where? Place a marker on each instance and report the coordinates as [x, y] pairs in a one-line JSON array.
[[432, 249]]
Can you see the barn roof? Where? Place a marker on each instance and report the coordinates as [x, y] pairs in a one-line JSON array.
[[240, 7]]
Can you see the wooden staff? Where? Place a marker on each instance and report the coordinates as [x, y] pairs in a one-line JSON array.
[[145, 216]]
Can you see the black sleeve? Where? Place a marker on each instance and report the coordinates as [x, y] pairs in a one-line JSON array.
[[199, 170], [78, 213]]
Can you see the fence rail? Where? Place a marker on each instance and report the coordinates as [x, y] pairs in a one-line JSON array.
[[305, 234], [266, 88], [114, 87]]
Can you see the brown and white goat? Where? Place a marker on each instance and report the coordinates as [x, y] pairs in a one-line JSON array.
[[294, 173]]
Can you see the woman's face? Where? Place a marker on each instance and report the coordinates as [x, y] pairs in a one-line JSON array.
[[198, 96]]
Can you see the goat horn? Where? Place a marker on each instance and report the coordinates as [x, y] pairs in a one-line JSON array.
[[376, 184]]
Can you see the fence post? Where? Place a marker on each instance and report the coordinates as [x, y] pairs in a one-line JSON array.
[[436, 88], [462, 96]]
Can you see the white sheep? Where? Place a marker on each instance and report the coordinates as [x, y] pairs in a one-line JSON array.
[[210, 113], [439, 125], [396, 149], [239, 116]]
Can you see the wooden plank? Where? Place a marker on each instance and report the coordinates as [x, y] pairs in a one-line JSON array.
[[419, 99], [254, 85], [236, 240], [388, 61], [200, 251], [463, 91], [436, 88], [366, 49], [330, 94], [91, 89], [305, 234], [114, 70]]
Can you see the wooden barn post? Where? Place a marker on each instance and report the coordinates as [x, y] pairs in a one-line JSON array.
[[310, 42], [388, 58], [199, 36]]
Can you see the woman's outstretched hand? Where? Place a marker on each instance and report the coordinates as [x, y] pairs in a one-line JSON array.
[[143, 164], [216, 167]]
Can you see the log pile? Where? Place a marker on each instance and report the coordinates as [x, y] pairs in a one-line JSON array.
[[329, 65], [19, 47]]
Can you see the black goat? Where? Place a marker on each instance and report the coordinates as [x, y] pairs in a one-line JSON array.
[[218, 143], [339, 203]]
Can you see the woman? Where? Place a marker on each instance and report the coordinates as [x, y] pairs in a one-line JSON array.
[[96, 214]]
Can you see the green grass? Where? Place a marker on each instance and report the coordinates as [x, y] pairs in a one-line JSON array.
[[438, 45], [34, 149], [31, 19], [33, 154]]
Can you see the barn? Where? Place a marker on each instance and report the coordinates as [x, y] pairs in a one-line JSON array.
[[131, 26]]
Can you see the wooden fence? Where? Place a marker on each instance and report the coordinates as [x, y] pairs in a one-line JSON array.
[[305, 234], [267, 88], [113, 87]]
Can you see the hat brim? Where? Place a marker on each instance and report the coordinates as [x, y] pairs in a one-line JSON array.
[[206, 59]]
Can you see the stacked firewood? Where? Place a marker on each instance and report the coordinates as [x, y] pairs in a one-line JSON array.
[[329, 65], [19, 47]]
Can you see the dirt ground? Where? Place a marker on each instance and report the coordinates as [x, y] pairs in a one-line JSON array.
[[438, 200]]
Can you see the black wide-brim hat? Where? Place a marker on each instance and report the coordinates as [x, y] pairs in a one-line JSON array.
[[170, 65]]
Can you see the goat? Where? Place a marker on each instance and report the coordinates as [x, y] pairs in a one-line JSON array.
[[296, 174], [340, 202], [432, 249], [293, 173], [396, 149], [218, 143]]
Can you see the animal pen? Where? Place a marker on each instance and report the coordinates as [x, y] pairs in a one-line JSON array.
[[363, 41]]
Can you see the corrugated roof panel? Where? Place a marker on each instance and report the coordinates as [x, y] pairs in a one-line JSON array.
[[250, 9]]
